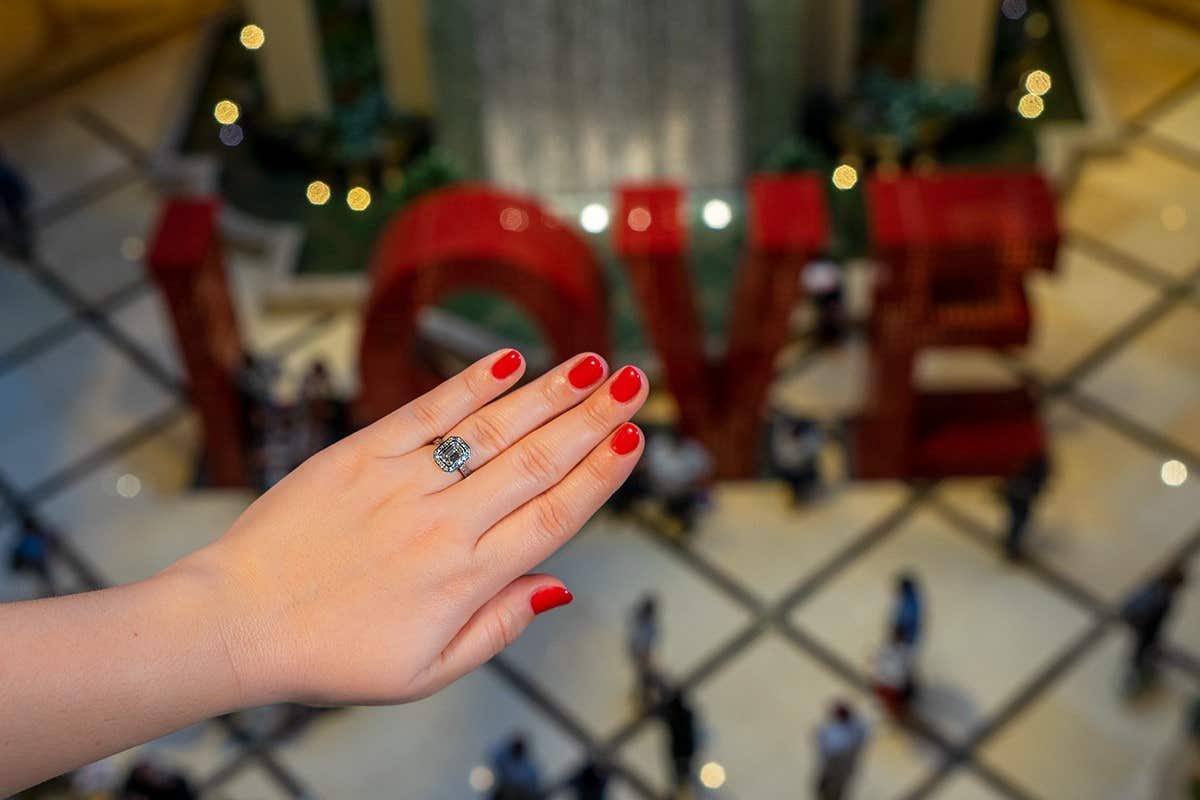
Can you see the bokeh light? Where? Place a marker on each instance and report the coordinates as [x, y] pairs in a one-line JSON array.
[[593, 218], [845, 177], [1031, 106], [231, 135], [318, 193], [129, 486], [717, 214], [1173, 473], [481, 779], [712, 775], [132, 248], [1174, 217], [358, 198], [252, 37], [1014, 9], [514, 219], [1038, 82], [639, 218], [1037, 25], [226, 112]]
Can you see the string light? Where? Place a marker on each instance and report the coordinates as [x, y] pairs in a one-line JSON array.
[[318, 193], [252, 37], [845, 177], [1031, 106], [226, 112], [231, 135], [1038, 82], [638, 218], [1173, 473], [717, 214], [712, 775], [358, 198], [129, 486]]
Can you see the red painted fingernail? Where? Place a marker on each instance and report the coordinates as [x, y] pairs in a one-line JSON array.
[[506, 364], [586, 372], [626, 439], [548, 598], [627, 384]]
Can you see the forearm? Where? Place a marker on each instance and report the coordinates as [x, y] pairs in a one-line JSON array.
[[92, 674]]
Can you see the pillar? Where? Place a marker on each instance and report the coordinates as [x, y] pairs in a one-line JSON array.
[[402, 36], [955, 40], [291, 65]]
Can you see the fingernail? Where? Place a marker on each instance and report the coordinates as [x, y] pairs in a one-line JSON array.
[[548, 598], [626, 439], [627, 384], [506, 364], [586, 372]]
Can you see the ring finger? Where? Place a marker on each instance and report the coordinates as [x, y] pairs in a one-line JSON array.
[[493, 428]]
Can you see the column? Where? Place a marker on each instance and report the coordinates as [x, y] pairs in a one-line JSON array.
[[291, 65]]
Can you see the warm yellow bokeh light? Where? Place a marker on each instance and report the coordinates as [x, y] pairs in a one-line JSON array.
[[226, 112], [1173, 473], [481, 779], [712, 775], [1031, 106], [318, 193], [1038, 82], [845, 176], [252, 37], [358, 198], [1174, 217]]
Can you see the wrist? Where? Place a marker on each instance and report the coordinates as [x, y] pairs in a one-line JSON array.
[[223, 634]]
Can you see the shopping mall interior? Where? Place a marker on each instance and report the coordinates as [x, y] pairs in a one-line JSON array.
[[938, 263]]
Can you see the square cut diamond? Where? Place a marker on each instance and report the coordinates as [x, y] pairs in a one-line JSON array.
[[452, 453]]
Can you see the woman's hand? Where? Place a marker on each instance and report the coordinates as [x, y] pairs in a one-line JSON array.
[[369, 575]]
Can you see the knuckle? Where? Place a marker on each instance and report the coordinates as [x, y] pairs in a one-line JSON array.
[[536, 463], [595, 418], [552, 518], [503, 629], [429, 417], [487, 432], [551, 391], [595, 472]]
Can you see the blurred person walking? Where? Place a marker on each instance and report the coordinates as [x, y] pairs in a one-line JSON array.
[[16, 232], [795, 447], [677, 468], [680, 720], [908, 611], [591, 782], [149, 781], [516, 775], [31, 553], [1020, 492], [893, 674], [643, 644], [840, 739], [1146, 612]]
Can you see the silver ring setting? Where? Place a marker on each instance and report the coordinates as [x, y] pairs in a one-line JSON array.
[[452, 454]]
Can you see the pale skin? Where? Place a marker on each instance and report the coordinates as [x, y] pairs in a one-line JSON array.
[[368, 575]]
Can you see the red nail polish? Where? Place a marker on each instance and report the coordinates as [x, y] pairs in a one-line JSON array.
[[586, 372], [626, 439], [626, 386], [548, 598], [506, 364]]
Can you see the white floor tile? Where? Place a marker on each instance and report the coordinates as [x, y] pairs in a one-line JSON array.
[[832, 386], [1133, 202], [146, 321], [67, 402], [250, 783], [337, 346], [27, 310], [54, 153], [754, 533], [1181, 122], [578, 655], [98, 249], [1083, 739], [130, 538], [962, 785], [1106, 519], [1154, 379], [426, 749], [1077, 308], [758, 718], [977, 607]]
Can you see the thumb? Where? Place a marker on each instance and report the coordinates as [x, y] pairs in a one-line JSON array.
[[497, 625]]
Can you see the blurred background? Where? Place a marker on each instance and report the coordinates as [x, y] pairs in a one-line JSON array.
[[915, 282]]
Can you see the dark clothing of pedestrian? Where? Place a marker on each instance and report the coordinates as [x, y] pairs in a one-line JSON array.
[[1146, 612], [908, 617], [681, 728], [1019, 493], [840, 740], [591, 782], [15, 228]]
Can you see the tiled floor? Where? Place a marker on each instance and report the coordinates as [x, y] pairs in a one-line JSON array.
[[770, 611]]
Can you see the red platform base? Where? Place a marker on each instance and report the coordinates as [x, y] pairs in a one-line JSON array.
[[956, 433]]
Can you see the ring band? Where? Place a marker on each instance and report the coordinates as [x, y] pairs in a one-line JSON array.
[[451, 454]]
